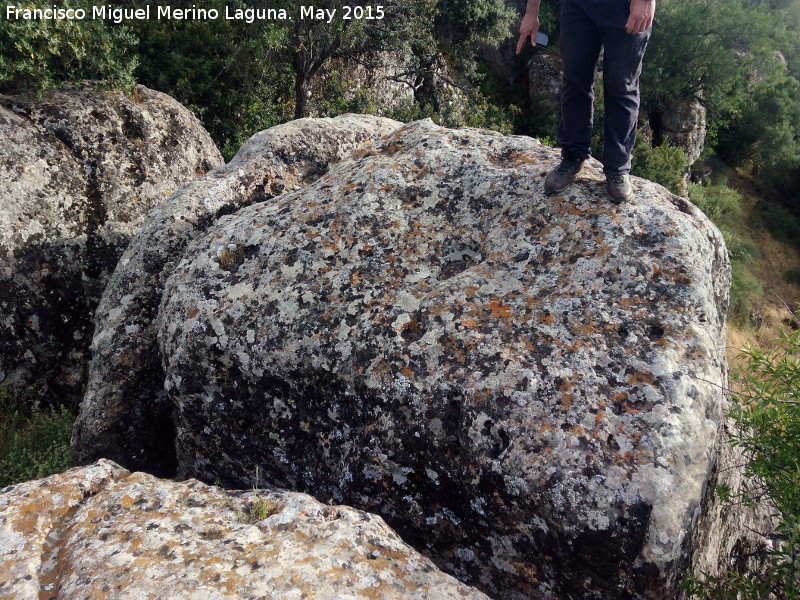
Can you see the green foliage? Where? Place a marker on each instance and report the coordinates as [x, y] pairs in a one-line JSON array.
[[792, 275], [339, 96], [707, 50], [767, 429], [766, 134], [745, 288], [260, 508], [740, 249], [716, 201], [33, 445], [477, 111], [782, 224], [226, 71], [39, 54], [664, 164]]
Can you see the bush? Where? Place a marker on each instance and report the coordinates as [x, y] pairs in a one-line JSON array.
[[716, 200], [39, 54], [767, 429], [782, 224], [664, 164], [792, 275], [33, 445]]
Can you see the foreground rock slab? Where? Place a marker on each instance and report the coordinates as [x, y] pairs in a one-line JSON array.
[[79, 170], [100, 532], [125, 415], [526, 387]]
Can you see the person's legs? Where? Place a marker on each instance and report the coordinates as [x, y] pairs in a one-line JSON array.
[[580, 48], [622, 65]]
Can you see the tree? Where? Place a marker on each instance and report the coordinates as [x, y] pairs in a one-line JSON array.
[[709, 51]]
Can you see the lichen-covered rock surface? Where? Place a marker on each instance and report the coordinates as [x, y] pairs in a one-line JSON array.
[[103, 532], [124, 415], [78, 172], [526, 387]]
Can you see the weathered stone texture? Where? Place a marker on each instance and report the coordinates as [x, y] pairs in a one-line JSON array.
[[78, 172], [731, 535], [124, 415], [526, 387], [684, 125], [103, 532]]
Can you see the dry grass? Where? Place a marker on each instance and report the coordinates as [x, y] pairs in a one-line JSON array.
[[780, 299]]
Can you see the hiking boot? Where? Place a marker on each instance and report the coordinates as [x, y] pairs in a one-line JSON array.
[[619, 188], [560, 177]]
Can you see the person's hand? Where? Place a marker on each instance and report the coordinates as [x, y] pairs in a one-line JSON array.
[[641, 15], [528, 28]]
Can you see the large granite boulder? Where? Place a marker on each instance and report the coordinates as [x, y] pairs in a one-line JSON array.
[[78, 172], [124, 415], [528, 388], [103, 532]]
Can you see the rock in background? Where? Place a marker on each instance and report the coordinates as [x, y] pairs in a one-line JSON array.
[[124, 415], [684, 125], [100, 530], [79, 171], [526, 387]]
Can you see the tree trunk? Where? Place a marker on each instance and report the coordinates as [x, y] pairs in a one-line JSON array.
[[300, 96]]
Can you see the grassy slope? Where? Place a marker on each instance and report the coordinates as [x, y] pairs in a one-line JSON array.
[[776, 256]]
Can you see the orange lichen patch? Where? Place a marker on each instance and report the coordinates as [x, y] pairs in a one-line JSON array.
[[628, 409], [586, 328], [640, 378], [355, 278], [472, 323], [499, 310], [598, 418], [629, 302]]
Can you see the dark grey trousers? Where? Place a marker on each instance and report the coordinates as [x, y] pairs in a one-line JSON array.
[[586, 25]]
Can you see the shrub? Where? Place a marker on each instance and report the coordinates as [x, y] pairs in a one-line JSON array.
[[39, 54], [664, 164], [767, 429], [782, 224], [33, 445], [792, 275], [715, 200]]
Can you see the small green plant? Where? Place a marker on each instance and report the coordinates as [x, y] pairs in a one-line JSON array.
[[258, 507], [767, 429]]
